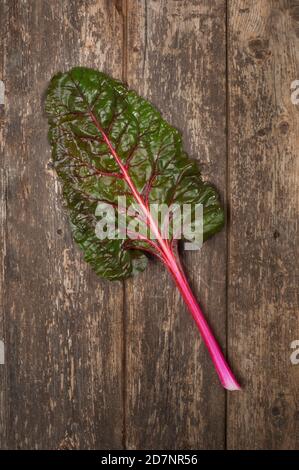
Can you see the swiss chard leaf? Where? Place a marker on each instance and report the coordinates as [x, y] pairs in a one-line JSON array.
[[80, 102], [109, 142]]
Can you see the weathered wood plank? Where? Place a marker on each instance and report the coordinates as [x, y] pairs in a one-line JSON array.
[[3, 377], [176, 59], [63, 325], [2, 236], [264, 203]]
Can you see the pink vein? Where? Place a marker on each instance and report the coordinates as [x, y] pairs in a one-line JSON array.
[[163, 243]]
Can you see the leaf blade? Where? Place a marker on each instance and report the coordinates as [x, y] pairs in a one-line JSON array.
[[99, 131]]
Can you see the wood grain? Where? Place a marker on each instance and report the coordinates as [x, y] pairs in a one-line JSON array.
[[63, 325], [3, 186], [93, 364], [263, 252], [173, 399]]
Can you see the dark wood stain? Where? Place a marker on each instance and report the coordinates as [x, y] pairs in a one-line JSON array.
[[92, 364]]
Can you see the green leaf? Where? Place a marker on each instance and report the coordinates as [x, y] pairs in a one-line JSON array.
[[83, 106]]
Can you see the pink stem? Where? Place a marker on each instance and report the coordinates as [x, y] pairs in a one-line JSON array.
[[223, 370]]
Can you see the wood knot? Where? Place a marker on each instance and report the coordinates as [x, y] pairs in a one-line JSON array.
[[263, 131], [276, 234], [283, 127], [275, 411], [259, 48]]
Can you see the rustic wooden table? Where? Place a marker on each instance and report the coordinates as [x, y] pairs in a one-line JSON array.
[[93, 364]]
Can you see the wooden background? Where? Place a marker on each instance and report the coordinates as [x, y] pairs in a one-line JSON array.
[[93, 364]]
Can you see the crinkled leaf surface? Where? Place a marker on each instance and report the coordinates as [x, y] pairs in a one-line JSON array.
[[81, 105]]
